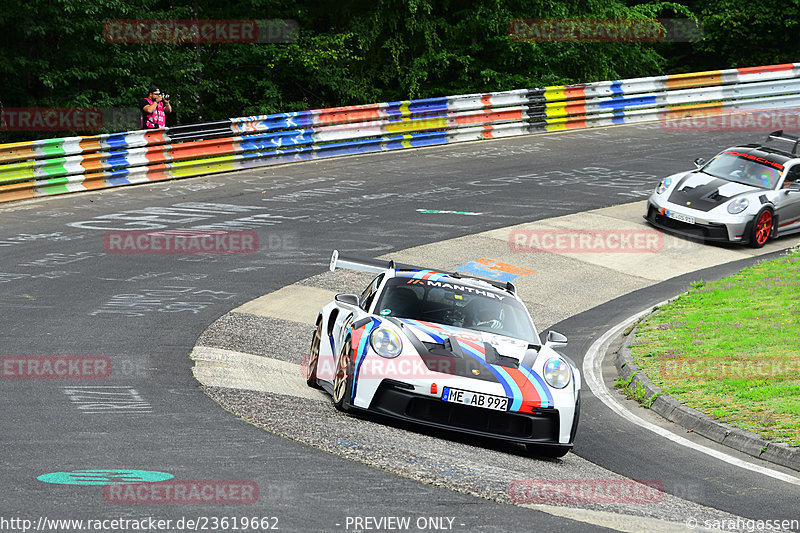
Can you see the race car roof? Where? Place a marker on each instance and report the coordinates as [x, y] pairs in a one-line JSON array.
[[454, 277], [400, 269], [752, 151]]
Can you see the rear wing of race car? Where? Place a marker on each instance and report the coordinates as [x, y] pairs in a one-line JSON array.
[[787, 138], [368, 265], [377, 266]]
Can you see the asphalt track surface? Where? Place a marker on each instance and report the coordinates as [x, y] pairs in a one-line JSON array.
[[62, 294]]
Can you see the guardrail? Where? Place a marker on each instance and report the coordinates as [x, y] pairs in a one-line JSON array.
[[57, 166]]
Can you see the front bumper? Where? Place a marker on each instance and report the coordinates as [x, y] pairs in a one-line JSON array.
[[540, 427], [705, 228]]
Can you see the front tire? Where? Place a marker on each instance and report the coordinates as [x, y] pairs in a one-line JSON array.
[[343, 380], [313, 358], [762, 228]]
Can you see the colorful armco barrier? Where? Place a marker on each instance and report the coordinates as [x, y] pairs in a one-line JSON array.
[[56, 166]]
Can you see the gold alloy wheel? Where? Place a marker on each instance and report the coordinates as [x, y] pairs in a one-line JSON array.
[[313, 358], [343, 377]]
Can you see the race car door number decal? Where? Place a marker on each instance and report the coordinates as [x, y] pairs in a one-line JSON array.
[[475, 399]]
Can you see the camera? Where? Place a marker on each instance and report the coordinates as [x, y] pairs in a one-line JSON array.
[[166, 97]]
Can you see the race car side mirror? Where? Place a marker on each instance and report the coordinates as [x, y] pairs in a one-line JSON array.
[[792, 188], [555, 339], [699, 162], [347, 299]]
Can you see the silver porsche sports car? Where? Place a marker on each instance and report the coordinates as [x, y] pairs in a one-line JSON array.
[[449, 351], [746, 193]]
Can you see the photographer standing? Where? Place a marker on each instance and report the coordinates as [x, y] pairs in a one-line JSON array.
[[154, 109]]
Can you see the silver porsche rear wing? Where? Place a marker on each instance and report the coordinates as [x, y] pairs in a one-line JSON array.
[[377, 266]]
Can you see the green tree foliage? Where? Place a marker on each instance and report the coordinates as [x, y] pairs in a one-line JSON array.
[[741, 33], [54, 52]]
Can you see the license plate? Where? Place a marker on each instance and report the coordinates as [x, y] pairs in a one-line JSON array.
[[475, 399], [680, 216]]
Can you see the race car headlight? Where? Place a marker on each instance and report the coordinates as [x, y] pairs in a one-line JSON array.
[[737, 206], [386, 342], [664, 185], [557, 373]]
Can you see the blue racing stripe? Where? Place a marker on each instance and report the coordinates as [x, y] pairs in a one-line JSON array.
[[428, 331], [509, 385], [361, 354]]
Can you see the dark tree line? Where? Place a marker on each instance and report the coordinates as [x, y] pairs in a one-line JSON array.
[[54, 52]]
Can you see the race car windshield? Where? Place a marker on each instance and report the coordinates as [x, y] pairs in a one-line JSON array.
[[451, 304], [745, 169]]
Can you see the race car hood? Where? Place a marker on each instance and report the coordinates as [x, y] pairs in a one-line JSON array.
[[482, 356], [703, 192], [497, 349]]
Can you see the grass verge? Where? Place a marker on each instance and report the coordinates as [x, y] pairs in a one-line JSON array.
[[731, 348]]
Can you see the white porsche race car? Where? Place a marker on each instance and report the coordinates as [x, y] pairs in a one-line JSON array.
[[448, 351]]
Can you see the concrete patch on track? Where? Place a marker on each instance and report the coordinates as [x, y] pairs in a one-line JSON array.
[[298, 303], [236, 370], [250, 362], [671, 255]]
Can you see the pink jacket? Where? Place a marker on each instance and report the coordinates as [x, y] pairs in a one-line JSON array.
[[156, 119]]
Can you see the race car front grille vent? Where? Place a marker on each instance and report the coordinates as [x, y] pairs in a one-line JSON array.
[[452, 349], [716, 197], [543, 428], [493, 357], [445, 348], [398, 384], [455, 365], [701, 231]]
